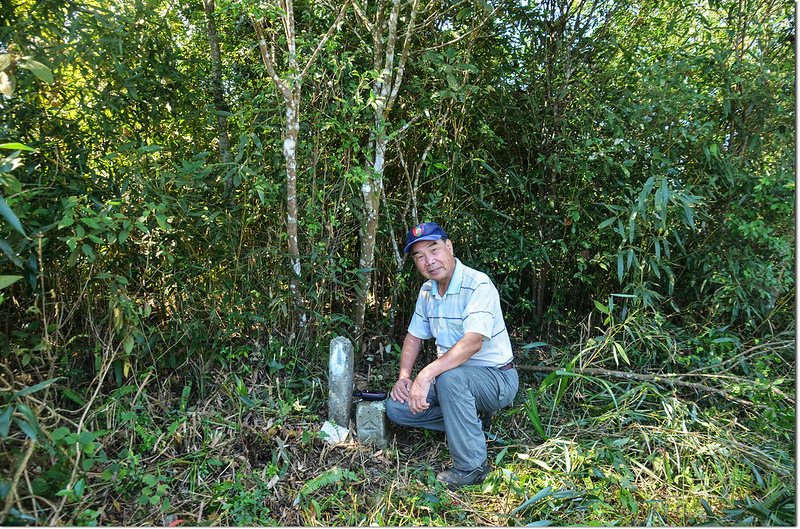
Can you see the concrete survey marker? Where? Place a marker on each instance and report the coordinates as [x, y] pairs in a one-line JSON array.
[[371, 423], [340, 381]]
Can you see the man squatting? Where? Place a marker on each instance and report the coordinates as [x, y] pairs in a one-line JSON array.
[[473, 375]]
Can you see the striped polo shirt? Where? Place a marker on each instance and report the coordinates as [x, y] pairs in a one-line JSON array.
[[471, 304]]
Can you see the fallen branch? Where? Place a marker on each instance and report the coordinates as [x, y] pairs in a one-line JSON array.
[[668, 380]]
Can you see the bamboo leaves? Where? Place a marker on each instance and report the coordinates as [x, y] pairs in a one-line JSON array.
[[36, 68], [10, 216], [10, 61], [18, 412], [659, 212]]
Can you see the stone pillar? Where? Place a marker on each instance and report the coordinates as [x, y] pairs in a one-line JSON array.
[[371, 423], [340, 381]]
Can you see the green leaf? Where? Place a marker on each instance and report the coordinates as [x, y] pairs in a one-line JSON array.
[[8, 280], [128, 343], [621, 351], [620, 229], [5, 421], [38, 69], [162, 221], [33, 389], [79, 487], [30, 426], [606, 223], [11, 254], [648, 186], [654, 266], [532, 410], [602, 308], [466, 67], [15, 147], [631, 227], [12, 185], [26, 427], [87, 250], [59, 433], [92, 223], [534, 345], [500, 456], [545, 492], [452, 82], [687, 210], [10, 216], [85, 437], [187, 390], [150, 148]]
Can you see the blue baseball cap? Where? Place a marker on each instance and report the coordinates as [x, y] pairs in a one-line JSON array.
[[427, 231]]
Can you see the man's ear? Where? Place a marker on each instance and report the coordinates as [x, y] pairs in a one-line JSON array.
[[449, 245]]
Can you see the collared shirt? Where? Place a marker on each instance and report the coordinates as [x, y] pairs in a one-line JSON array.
[[471, 304]]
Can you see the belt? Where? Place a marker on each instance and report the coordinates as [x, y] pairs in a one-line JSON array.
[[506, 367]]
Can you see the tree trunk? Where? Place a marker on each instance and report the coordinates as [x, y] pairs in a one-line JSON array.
[[290, 135], [220, 105], [291, 88], [386, 87]]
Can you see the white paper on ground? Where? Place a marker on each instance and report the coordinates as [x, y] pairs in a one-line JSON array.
[[334, 432]]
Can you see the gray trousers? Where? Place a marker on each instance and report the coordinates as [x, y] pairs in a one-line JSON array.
[[455, 399]]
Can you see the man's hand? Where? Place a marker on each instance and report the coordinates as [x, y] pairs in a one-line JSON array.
[[401, 389], [418, 396]]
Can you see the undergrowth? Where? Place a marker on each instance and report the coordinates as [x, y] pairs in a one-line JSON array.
[[574, 449]]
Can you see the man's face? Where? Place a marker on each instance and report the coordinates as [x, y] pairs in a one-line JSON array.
[[434, 259]]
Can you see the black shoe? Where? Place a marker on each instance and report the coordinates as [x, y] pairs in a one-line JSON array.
[[454, 478]]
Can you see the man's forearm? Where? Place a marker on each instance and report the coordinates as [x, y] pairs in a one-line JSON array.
[[461, 351], [408, 355]]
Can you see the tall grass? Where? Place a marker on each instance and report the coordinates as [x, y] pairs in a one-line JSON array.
[[577, 447]]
